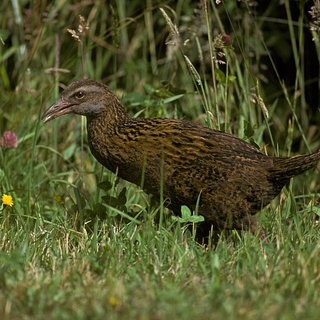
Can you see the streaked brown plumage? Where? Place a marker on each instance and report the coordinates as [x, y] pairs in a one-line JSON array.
[[233, 178]]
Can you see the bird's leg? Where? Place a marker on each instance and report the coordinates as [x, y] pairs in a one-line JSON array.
[[250, 223]]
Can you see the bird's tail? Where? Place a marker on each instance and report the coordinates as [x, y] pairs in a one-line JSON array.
[[286, 168]]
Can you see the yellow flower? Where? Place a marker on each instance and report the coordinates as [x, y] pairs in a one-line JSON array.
[[7, 200], [58, 199], [113, 301]]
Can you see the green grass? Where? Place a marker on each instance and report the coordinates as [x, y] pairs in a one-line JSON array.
[[80, 243]]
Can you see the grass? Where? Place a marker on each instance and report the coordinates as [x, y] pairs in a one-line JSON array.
[[80, 243]]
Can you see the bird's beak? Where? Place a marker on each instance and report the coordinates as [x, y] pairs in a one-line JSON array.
[[59, 108]]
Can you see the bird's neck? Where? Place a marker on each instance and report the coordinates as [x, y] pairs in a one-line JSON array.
[[102, 130], [106, 122]]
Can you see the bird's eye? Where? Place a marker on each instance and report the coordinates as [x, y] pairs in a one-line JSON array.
[[79, 95]]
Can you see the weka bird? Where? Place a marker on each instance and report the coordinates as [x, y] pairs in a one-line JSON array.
[[232, 179]]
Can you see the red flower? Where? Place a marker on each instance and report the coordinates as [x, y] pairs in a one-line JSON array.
[[9, 140], [226, 39]]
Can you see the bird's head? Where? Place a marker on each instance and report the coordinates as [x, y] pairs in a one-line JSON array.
[[86, 97]]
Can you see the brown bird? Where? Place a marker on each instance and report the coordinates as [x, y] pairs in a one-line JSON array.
[[231, 179]]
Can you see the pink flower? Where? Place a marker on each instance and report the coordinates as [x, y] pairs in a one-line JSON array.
[[8, 140]]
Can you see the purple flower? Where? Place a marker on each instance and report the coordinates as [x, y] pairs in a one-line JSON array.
[[8, 140]]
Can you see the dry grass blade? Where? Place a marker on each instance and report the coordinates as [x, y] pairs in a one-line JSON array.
[[174, 38]]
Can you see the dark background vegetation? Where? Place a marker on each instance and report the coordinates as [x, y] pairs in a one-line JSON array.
[[79, 243], [122, 49]]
